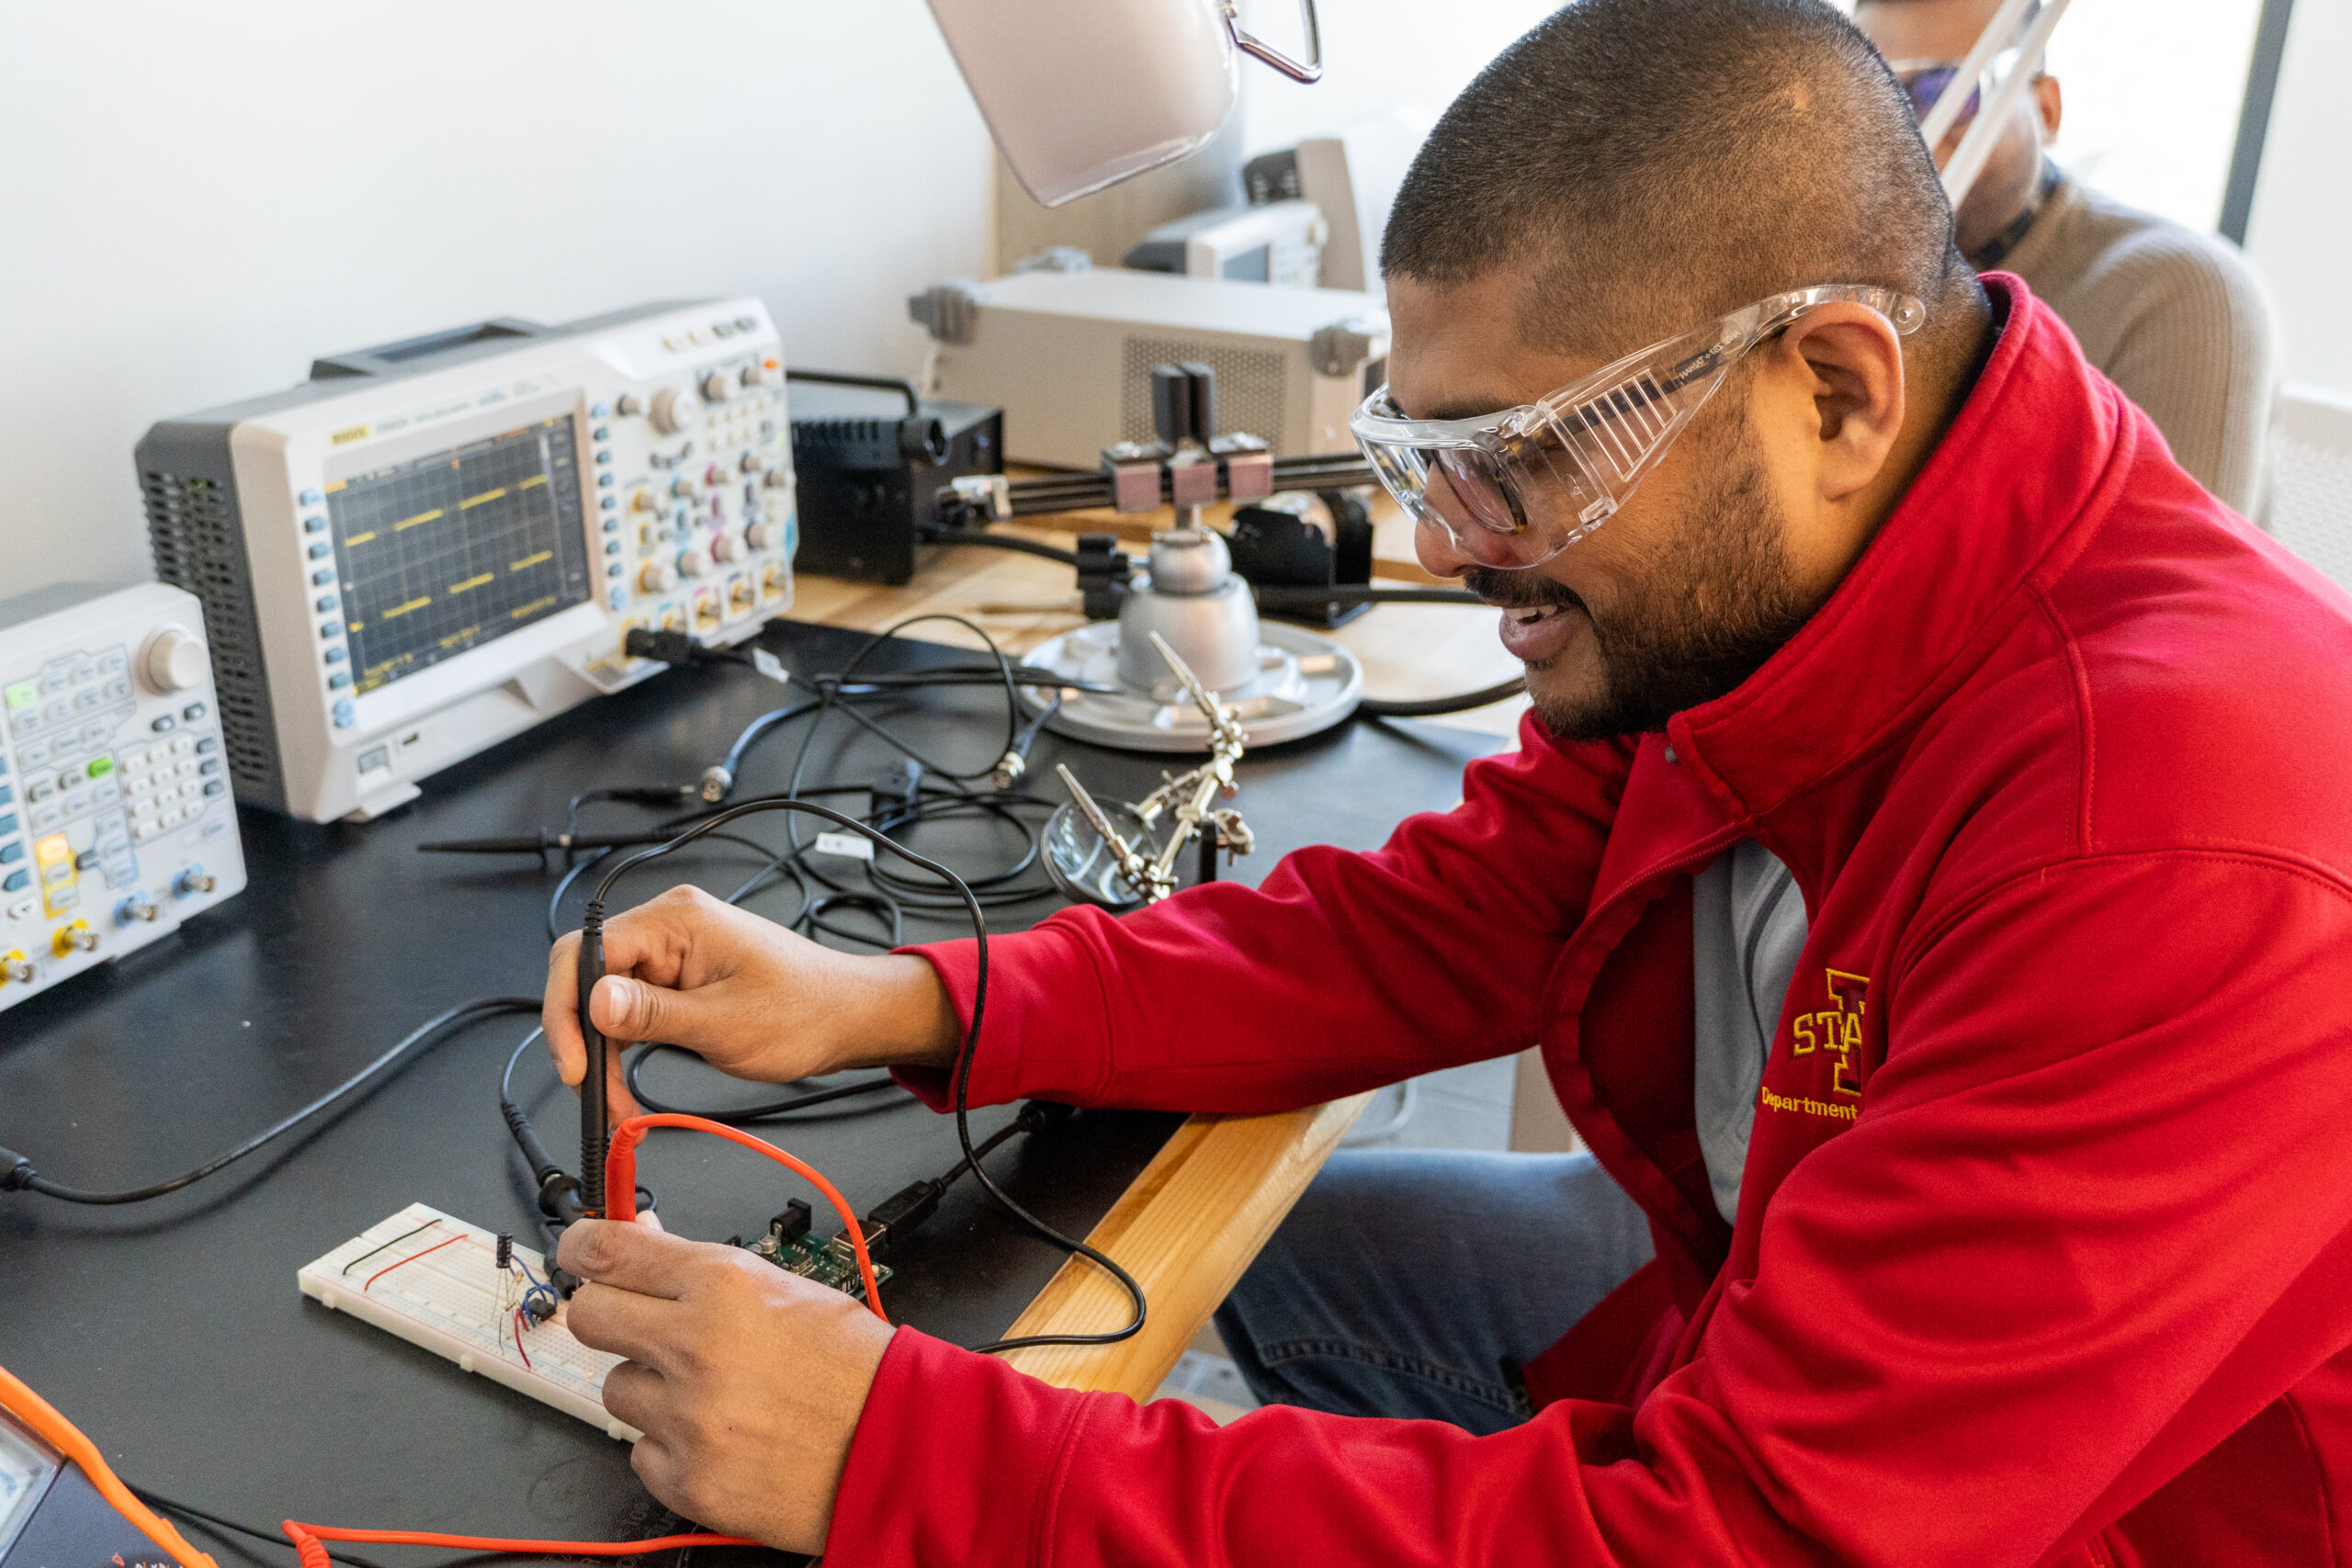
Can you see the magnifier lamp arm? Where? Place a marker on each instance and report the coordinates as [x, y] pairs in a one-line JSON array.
[[1976, 148], [1308, 71], [1946, 114]]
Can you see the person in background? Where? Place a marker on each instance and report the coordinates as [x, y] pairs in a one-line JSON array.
[[2178, 318]]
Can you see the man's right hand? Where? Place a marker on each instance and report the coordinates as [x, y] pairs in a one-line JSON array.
[[751, 998]]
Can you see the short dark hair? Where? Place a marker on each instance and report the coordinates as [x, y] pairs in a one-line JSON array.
[[1650, 164]]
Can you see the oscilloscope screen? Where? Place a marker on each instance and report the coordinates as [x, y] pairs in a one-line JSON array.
[[451, 550]]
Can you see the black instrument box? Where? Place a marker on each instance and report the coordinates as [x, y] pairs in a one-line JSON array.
[[871, 456]]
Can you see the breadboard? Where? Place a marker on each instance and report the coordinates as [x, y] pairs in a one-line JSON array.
[[434, 1281]]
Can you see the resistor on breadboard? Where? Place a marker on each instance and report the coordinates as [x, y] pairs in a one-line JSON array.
[[436, 1281]]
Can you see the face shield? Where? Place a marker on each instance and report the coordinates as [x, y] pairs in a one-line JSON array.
[[1514, 488]]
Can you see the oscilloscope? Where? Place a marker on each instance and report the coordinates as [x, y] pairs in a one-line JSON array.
[[433, 544]]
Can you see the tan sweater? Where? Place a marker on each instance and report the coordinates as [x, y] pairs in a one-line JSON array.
[[2177, 319]]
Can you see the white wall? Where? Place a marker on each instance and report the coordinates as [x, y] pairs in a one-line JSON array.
[[2301, 231], [199, 198]]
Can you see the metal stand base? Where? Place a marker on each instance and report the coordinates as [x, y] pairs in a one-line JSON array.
[[1304, 684]]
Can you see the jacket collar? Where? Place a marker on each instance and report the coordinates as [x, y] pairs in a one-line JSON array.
[[2009, 492]]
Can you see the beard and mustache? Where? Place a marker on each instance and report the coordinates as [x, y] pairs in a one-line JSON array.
[[1720, 598]]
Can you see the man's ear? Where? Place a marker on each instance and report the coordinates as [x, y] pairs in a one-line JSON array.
[[1839, 368], [2052, 103]]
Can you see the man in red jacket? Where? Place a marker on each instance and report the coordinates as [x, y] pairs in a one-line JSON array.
[[1997, 1171]]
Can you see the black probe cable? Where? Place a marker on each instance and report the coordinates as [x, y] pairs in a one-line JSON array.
[[156, 1500], [595, 1133], [17, 1172], [1429, 707]]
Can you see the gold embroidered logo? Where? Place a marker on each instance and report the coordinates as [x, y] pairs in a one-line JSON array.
[[1837, 1031]]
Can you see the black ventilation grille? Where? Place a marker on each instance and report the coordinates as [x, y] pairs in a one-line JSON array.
[[199, 546]]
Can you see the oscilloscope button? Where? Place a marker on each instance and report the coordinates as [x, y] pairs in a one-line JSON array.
[[311, 498], [320, 550], [336, 655], [314, 525], [600, 433], [322, 578], [345, 715], [339, 680]]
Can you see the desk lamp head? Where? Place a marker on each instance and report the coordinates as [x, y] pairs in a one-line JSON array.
[[1083, 94]]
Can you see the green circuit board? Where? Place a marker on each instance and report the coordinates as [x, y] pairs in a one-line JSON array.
[[790, 1248]]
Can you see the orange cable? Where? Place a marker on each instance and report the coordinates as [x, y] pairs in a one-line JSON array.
[[306, 1539], [620, 1182], [67, 1439]]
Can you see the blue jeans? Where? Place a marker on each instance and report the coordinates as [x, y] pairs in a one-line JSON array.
[[1415, 1282]]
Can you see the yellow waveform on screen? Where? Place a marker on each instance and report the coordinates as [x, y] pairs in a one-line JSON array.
[[420, 517], [454, 638], [361, 538], [473, 583], [521, 611], [336, 485], [534, 479], [397, 611], [529, 561], [472, 500]]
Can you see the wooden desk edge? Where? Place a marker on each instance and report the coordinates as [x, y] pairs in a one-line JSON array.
[[1186, 1228]]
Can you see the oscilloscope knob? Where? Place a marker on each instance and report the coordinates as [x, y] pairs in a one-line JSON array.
[[695, 562], [730, 550], [754, 463], [675, 409], [658, 577], [645, 501], [763, 535], [629, 404], [173, 661], [684, 487], [717, 388]]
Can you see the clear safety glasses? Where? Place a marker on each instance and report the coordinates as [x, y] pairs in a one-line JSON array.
[[1514, 488]]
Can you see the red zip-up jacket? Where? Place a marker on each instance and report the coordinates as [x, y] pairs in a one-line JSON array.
[[2044, 1246]]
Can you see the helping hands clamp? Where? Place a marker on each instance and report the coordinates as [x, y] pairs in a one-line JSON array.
[[1187, 797]]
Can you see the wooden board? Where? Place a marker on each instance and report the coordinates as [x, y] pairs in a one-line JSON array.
[[1186, 1230]]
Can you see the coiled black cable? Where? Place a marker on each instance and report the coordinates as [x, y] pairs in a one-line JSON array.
[[593, 1119]]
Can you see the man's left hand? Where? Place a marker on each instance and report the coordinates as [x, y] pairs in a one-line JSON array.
[[746, 1381]]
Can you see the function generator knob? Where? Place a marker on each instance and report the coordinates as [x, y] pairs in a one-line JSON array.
[[754, 463], [730, 550], [629, 404], [675, 409], [658, 577], [695, 562], [717, 386], [172, 660]]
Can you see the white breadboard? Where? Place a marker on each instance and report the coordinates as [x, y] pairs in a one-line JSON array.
[[434, 1281]]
